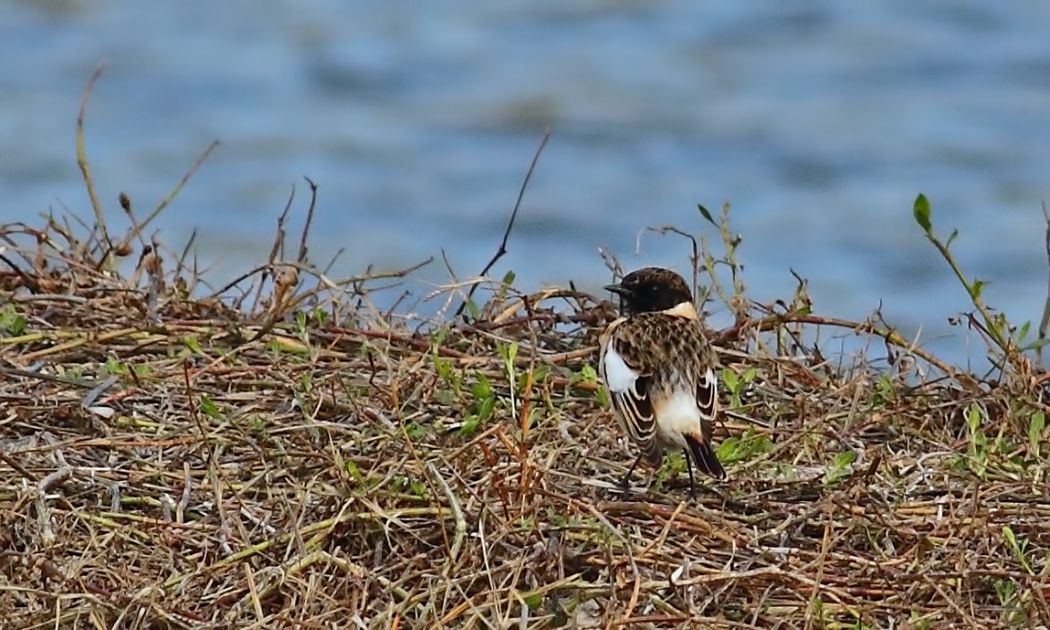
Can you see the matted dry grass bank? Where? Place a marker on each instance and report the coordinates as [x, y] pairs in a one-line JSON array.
[[284, 454], [281, 452]]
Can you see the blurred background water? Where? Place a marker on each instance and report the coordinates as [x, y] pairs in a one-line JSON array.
[[819, 122]]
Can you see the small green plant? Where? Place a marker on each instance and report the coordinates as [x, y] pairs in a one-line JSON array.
[[556, 517], [673, 465], [209, 408], [1013, 607], [411, 486], [977, 445], [534, 601], [1036, 426], [11, 322], [1017, 547], [482, 407], [994, 323], [193, 344], [258, 423], [116, 367], [302, 328], [840, 467], [742, 448], [731, 241], [446, 372], [885, 392], [588, 374], [737, 385], [306, 382], [415, 431], [319, 317], [504, 287], [353, 471]]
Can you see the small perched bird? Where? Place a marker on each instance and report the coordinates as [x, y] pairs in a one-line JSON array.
[[659, 369]]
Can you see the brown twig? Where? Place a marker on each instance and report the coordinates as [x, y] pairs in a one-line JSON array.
[[82, 161]]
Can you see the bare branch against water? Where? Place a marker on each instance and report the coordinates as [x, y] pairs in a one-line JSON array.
[[82, 161], [502, 249]]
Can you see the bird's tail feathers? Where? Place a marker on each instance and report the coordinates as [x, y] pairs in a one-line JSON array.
[[704, 457]]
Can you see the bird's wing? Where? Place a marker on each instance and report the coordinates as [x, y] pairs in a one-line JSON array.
[[628, 376]]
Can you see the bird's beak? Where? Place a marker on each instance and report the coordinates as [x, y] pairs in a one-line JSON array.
[[618, 289]]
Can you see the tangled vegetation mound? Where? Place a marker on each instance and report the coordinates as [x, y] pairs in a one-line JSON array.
[[282, 452]]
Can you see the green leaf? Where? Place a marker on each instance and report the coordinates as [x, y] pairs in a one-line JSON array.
[[1036, 425], [1038, 343], [508, 278], [509, 352], [951, 237], [415, 431], [731, 380], [1025, 328], [319, 315], [839, 468], [975, 288], [588, 374], [534, 601], [444, 369], [973, 418], [602, 395], [352, 470], [12, 322], [540, 374], [1018, 548], [704, 212], [193, 344], [209, 407], [844, 459], [485, 409], [921, 209], [439, 337], [418, 488], [470, 426], [746, 447], [482, 388]]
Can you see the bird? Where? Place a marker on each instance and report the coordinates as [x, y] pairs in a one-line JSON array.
[[659, 368]]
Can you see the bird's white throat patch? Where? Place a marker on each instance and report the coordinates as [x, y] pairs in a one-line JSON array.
[[618, 376]]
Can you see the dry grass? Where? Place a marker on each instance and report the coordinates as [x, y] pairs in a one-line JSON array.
[[306, 460], [281, 452]]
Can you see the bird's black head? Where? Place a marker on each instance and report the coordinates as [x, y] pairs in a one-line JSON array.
[[651, 289]]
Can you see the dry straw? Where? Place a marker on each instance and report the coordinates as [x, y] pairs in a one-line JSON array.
[[285, 454]]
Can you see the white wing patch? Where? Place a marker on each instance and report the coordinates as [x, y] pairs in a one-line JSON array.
[[618, 377]]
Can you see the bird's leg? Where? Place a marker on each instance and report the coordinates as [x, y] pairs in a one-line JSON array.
[[689, 466], [626, 481]]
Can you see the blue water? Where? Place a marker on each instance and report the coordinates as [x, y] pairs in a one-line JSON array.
[[819, 123]]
